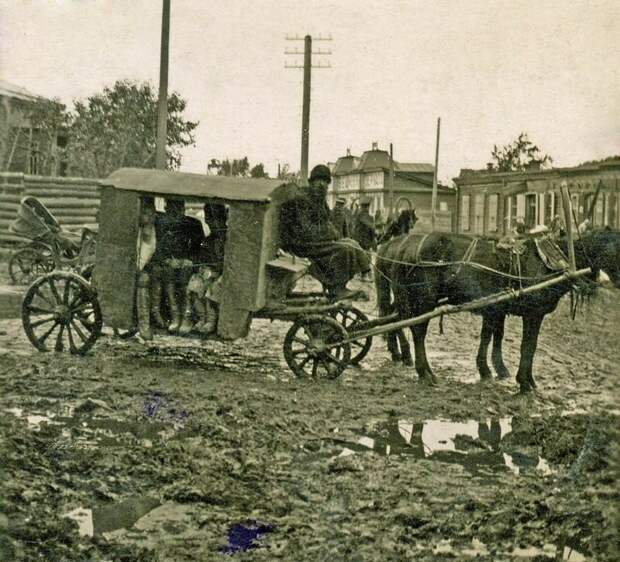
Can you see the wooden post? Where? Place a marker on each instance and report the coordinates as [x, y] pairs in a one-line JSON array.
[[305, 120], [162, 103], [568, 221], [434, 196], [392, 210]]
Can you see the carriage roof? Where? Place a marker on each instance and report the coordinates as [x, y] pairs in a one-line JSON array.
[[182, 184]]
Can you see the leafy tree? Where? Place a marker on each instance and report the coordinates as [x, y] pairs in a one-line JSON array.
[[517, 156], [258, 171], [285, 173], [118, 127], [239, 168]]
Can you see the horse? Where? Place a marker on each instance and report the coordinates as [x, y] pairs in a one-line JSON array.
[[456, 268], [388, 245]]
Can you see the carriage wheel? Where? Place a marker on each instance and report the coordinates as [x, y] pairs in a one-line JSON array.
[[29, 263], [306, 352], [60, 311], [349, 317]]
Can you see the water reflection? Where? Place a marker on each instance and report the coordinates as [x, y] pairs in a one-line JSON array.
[[473, 444]]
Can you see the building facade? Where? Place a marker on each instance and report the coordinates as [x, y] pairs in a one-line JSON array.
[[489, 203], [23, 148], [369, 176]]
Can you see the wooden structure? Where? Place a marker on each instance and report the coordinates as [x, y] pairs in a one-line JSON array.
[[252, 272]]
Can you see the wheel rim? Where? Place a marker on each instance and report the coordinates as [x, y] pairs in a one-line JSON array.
[[60, 312], [28, 264], [307, 351], [350, 317]]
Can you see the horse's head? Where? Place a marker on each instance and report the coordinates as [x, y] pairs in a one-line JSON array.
[[601, 251], [402, 225]]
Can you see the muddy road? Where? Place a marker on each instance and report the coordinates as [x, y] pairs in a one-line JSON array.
[[202, 450]]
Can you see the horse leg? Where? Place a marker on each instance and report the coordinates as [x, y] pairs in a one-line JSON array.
[[421, 362], [486, 333], [392, 345], [497, 357], [405, 350], [529, 341]]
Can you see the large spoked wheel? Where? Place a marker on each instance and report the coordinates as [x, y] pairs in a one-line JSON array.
[[29, 263], [350, 318], [307, 351], [60, 311]]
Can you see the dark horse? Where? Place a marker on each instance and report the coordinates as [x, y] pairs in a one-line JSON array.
[[456, 269], [394, 235]]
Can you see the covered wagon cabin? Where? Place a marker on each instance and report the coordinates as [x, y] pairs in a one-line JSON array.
[[253, 273]]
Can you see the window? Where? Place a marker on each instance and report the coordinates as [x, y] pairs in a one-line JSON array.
[[492, 205], [530, 210], [465, 212], [479, 213], [598, 211], [513, 211], [443, 206]]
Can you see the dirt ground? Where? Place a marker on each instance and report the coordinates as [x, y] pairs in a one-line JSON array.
[[198, 450]]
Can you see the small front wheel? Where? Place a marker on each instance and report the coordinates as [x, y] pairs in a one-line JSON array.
[[60, 311], [309, 347]]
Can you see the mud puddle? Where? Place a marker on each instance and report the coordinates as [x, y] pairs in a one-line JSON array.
[[475, 445]]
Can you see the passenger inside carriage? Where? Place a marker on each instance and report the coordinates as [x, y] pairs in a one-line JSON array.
[[203, 290], [168, 245]]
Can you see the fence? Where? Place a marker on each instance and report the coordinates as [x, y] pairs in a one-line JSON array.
[[73, 201]]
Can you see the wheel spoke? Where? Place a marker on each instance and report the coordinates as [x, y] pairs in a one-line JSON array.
[[72, 347], [356, 343], [59, 347], [301, 341], [333, 359], [298, 351], [43, 296], [41, 322], [86, 322], [47, 334], [315, 367], [54, 291], [39, 310], [78, 330], [67, 291], [304, 362], [83, 307]]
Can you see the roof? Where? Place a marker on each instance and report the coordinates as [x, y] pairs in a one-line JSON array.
[[345, 164], [422, 180], [415, 167], [374, 159], [13, 91], [470, 177], [163, 182], [378, 160]]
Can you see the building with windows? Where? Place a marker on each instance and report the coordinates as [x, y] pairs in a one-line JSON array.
[[369, 176], [490, 202], [22, 147]]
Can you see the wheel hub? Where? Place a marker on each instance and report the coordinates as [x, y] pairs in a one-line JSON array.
[[62, 314]]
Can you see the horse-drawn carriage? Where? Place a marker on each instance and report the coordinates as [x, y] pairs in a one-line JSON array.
[[50, 246], [434, 274], [64, 311]]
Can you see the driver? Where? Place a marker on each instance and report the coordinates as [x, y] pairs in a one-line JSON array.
[[307, 231]]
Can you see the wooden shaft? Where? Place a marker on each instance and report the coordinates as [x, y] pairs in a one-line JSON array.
[[467, 307], [162, 103], [568, 221]]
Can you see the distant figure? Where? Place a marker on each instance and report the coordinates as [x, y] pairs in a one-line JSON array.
[[557, 227], [584, 226], [364, 227], [379, 222], [364, 231], [340, 218], [520, 228]]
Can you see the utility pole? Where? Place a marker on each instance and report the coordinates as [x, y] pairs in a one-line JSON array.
[[434, 196], [307, 68], [162, 103], [392, 210]]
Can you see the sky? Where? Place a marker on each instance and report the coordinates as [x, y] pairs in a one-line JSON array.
[[489, 69]]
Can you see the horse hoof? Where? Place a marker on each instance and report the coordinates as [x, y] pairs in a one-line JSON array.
[[396, 358], [408, 361], [503, 375]]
